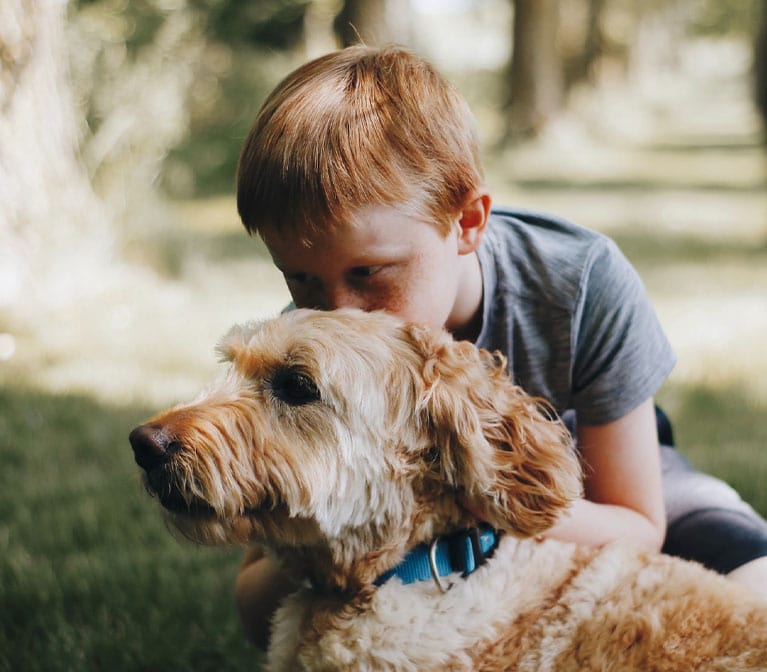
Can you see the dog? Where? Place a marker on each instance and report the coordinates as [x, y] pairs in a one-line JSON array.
[[404, 480]]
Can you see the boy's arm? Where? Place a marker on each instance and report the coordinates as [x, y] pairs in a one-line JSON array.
[[624, 497], [260, 588]]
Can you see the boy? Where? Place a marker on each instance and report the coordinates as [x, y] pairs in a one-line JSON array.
[[362, 175]]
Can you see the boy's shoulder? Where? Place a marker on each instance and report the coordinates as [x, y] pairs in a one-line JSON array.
[[545, 229], [544, 256]]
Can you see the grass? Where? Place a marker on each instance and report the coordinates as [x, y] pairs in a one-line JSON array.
[[90, 579]]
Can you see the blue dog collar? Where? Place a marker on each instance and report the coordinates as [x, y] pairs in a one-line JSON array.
[[460, 552]]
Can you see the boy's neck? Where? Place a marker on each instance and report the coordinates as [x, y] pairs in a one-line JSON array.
[[465, 321]]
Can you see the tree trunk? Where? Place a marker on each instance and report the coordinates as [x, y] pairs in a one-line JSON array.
[[374, 22], [319, 33], [760, 65], [594, 42], [50, 219], [535, 73]]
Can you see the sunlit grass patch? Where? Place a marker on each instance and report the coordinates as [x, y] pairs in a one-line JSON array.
[[146, 330]]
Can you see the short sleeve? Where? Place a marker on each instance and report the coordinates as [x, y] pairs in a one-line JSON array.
[[621, 355]]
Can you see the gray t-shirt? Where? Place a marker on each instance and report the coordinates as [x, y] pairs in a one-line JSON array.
[[571, 314]]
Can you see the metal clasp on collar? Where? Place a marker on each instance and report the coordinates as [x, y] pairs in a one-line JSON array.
[[433, 567]]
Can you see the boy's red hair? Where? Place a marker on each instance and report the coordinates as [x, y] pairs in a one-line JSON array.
[[358, 127]]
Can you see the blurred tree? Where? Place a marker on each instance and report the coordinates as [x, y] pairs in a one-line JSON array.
[[52, 223], [272, 24], [594, 42], [760, 65], [536, 83], [585, 51], [134, 70], [722, 17], [374, 22], [556, 45], [319, 31]]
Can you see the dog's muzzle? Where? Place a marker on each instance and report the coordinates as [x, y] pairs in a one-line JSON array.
[[153, 449]]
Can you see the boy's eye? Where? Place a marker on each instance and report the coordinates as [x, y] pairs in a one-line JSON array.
[[364, 271], [297, 277]]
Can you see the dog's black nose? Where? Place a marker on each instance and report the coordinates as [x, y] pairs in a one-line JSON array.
[[152, 446]]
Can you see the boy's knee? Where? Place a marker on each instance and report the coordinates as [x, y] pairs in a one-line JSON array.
[[753, 575], [707, 520], [721, 539]]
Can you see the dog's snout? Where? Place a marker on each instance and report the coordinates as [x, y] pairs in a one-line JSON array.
[[152, 446]]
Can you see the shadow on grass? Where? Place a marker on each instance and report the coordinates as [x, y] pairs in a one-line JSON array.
[[90, 578], [630, 185], [659, 249]]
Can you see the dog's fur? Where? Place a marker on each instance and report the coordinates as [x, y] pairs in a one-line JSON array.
[[341, 440]]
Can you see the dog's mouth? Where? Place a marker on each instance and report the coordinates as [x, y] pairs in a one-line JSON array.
[[175, 502], [179, 501], [160, 482]]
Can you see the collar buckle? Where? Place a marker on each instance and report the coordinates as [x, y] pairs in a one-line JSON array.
[[468, 552]]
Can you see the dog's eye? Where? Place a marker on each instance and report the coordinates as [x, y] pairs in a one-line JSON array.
[[293, 387]]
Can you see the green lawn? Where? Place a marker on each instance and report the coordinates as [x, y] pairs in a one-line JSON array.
[[90, 578]]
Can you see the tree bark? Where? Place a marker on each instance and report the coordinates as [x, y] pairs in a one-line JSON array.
[[535, 74], [760, 65], [374, 22], [50, 218]]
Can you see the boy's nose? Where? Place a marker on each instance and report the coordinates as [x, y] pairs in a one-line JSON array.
[[343, 297]]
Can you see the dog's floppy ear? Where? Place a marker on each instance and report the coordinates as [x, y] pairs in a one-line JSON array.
[[236, 341], [506, 457]]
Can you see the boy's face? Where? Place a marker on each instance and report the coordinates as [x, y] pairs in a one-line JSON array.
[[383, 261]]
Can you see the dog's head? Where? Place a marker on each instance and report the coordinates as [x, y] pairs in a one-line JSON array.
[[346, 437]]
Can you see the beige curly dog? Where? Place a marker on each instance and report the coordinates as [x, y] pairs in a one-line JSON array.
[[355, 448]]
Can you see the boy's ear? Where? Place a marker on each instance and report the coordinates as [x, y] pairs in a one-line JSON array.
[[472, 220]]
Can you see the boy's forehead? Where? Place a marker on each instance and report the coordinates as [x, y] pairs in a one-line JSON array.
[[373, 230]]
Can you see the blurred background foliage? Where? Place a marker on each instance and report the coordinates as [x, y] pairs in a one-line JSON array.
[[234, 52], [122, 259], [117, 117], [164, 90]]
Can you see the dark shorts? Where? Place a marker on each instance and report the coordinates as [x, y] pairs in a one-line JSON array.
[[707, 520]]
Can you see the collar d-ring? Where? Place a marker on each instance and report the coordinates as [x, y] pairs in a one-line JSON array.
[[433, 567]]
